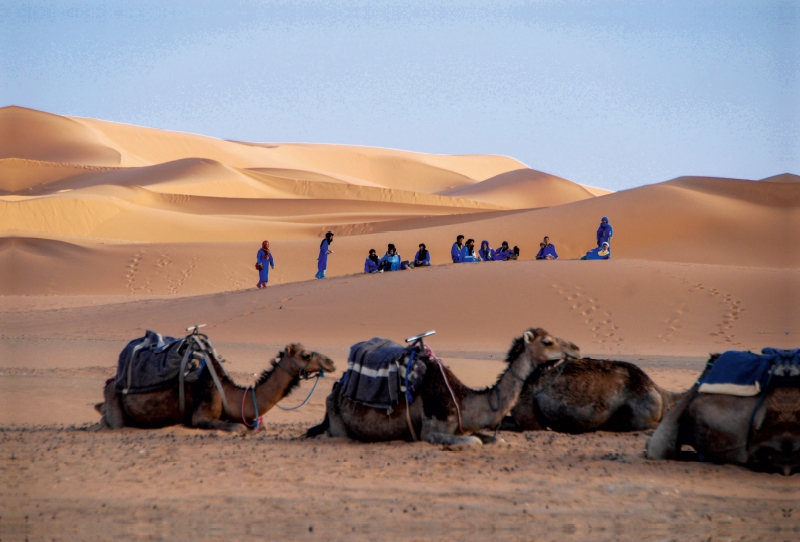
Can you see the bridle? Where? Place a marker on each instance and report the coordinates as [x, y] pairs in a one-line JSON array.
[[302, 374]]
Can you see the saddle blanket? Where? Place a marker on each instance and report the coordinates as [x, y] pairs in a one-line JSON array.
[[149, 363], [373, 376], [746, 374]]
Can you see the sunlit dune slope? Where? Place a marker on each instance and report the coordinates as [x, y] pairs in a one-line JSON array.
[[782, 178], [522, 189]]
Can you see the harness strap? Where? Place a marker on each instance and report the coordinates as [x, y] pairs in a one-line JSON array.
[[213, 372], [256, 417], [431, 355], [181, 390], [143, 344]]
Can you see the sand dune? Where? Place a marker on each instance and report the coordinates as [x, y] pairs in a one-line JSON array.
[[782, 178], [523, 189]]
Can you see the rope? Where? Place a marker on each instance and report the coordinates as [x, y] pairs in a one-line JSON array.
[[256, 417], [316, 381], [431, 355]]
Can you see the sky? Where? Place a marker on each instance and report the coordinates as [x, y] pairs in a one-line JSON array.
[[606, 93]]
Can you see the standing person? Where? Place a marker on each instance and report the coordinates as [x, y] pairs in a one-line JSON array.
[[372, 261], [604, 232], [486, 253], [264, 261], [324, 250], [549, 250], [422, 258], [455, 252]]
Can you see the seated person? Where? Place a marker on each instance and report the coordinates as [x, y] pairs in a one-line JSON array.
[[392, 261], [603, 252], [549, 250], [540, 254], [468, 252], [503, 253], [486, 253], [372, 261], [422, 258], [514, 253], [457, 251]]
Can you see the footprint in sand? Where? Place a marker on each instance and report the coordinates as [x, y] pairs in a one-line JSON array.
[[603, 328], [673, 324], [133, 270], [175, 285], [730, 315]]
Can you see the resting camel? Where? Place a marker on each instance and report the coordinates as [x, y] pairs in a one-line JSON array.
[[761, 432], [591, 395], [433, 415], [204, 404]]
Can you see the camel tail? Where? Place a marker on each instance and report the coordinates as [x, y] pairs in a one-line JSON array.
[[320, 429], [100, 408]]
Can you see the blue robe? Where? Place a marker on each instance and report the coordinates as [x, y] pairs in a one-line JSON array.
[[266, 262], [394, 261], [549, 250], [370, 266], [604, 233], [456, 253], [322, 260], [594, 254], [486, 253], [426, 260], [500, 255]]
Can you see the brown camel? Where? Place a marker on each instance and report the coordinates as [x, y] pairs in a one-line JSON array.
[[205, 408], [761, 432], [433, 415], [591, 395]]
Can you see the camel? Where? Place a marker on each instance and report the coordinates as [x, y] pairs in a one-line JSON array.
[[760, 432], [205, 408], [433, 415], [591, 395]]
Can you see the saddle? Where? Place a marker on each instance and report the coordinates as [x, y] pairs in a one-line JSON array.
[[379, 371], [745, 374]]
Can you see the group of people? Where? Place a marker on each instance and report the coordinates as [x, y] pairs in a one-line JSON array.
[[464, 252], [461, 252]]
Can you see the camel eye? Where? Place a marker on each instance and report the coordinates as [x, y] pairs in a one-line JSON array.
[[306, 357], [547, 342]]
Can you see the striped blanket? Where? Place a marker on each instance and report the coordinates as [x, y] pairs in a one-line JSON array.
[[375, 370]]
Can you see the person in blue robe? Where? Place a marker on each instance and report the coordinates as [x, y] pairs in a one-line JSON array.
[[264, 261], [604, 232], [422, 258], [603, 252], [549, 250], [322, 259], [503, 253], [456, 252], [468, 254], [372, 262], [540, 254], [486, 253], [392, 261]]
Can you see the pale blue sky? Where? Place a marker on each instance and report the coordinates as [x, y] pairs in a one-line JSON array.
[[613, 94]]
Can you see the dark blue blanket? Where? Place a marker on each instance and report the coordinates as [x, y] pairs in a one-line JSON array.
[[372, 374], [149, 363], [747, 374]]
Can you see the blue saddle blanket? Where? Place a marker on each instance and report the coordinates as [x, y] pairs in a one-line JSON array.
[[746, 374], [373, 376], [149, 363]]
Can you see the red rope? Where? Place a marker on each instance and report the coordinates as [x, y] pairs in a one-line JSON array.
[[431, 355]]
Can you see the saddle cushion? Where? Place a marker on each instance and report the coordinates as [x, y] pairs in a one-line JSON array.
[[149, 363], [372, 375], [746, 374]]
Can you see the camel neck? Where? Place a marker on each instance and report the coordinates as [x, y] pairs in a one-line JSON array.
[[268, 394], [485, 409]]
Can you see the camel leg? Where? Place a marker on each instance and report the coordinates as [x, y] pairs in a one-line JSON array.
[[202, 419], [437, 432], [113, 414], [336, 425], [664, 442]]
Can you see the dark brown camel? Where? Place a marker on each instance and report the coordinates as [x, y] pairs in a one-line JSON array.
[[591, 395], [433, 415], [762, 433], [204, 405]]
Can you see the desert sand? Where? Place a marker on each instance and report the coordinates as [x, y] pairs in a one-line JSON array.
[[107, 230]]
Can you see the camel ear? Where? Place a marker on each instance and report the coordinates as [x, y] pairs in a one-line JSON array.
[[528, 336]]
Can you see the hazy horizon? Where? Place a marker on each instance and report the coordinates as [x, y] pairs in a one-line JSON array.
[[610, 94]]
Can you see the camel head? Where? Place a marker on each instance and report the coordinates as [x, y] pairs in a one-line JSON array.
[[546, 350], [296, 358]]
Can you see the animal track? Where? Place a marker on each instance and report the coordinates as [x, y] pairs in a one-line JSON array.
[[177, 284], [733, 310], [133, 270], [673, 323], [603, 328]]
